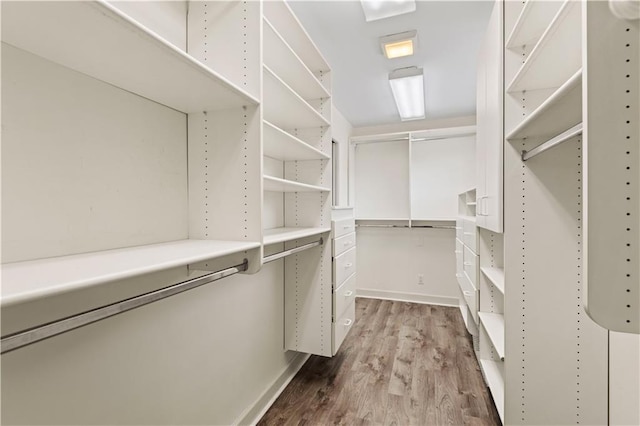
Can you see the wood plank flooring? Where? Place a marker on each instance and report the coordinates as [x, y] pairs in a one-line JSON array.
[[401, 364]]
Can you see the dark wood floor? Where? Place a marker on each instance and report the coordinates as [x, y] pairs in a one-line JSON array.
[[401, 364]]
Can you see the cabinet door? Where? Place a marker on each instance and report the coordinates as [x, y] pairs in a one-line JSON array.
[[490, 124]]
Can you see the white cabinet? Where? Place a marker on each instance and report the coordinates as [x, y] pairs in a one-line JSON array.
[[489, 136], [344, 275]]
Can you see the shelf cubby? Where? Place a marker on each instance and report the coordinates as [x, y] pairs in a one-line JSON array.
[[493, 324], [281, 145], [560, 46], [495, 276], [283, 185], [532, 22]]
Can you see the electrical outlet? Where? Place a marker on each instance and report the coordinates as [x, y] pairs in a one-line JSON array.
[[420, 279]]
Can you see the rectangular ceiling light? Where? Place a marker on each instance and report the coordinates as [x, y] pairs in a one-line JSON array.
[[407, 85], [399, 45], [380, 9]]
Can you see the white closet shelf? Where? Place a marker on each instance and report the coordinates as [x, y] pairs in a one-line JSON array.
[[98, 40], [287, 24], [533, 20], [280, 235], [29, 280], [281, 58], [496, 276], [285, 108], [283, 146], [562, 110], [282, 185], [560, 45], [491, 370], [494, 326]]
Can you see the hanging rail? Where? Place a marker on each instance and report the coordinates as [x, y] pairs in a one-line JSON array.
[[36, 334], [404, 226], [556, 140], [286, 253]]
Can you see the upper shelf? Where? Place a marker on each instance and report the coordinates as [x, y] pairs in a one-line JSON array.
[[287, 24], [533, 20], [283, 146], [280, 58], [25, 281], [280, 235], [98, 40], [557, 56], [496, 276], [562, 110], [285, 108], [282, 185]]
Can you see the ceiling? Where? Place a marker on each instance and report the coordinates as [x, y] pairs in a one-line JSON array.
[[449, 35]]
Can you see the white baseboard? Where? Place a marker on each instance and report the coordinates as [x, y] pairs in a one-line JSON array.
[[407, 297], [254, 413]]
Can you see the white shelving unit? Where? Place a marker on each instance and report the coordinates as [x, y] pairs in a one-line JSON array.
[[297, 174]]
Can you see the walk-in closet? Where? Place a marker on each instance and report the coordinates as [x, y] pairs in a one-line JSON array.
[[287, 212]]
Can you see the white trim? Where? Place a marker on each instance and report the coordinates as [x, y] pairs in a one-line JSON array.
[[253, 414], [408, 297]]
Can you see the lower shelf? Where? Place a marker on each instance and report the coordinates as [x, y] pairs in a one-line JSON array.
[[492, 371], [494, 326], [280, 235], [29, 280]]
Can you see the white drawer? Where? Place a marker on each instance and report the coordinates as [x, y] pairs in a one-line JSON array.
[[343, 267], [470, 235], [470, 296], [459, 232], [344, 243], [342, 326], [343, 227], [459, 258], [471, 267], [344, 296]]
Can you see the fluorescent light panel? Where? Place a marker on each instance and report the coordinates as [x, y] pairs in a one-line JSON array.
[[380, 9], [407, 85], [399, 45]]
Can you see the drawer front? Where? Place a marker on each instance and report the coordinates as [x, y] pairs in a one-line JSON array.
[[459, 258], [343, 227], [470, 296], [344, 243], [343, 267], [344, 296], [342, 326], [471, 266], [470, 235], [459, 229]]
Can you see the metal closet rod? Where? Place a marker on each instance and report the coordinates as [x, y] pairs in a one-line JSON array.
[[27, 337], [404, 226], [286, 253], [556, 140], [406, 138]]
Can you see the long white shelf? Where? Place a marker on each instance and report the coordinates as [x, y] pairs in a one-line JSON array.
[[287, 24], [494, 326], [283, 146], [98, 40], [562, 110], [491, 370], [285, 108], [280, 235], [29, 280], [282, 185], [560, 45], [533, 20], [283, 61], [496, 276]]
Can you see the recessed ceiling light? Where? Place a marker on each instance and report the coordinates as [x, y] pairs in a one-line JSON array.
[[380, 9], [399, 45], [407, 85]]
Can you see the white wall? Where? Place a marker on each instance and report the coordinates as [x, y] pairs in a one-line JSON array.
[[390, 260], [340, 132]]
